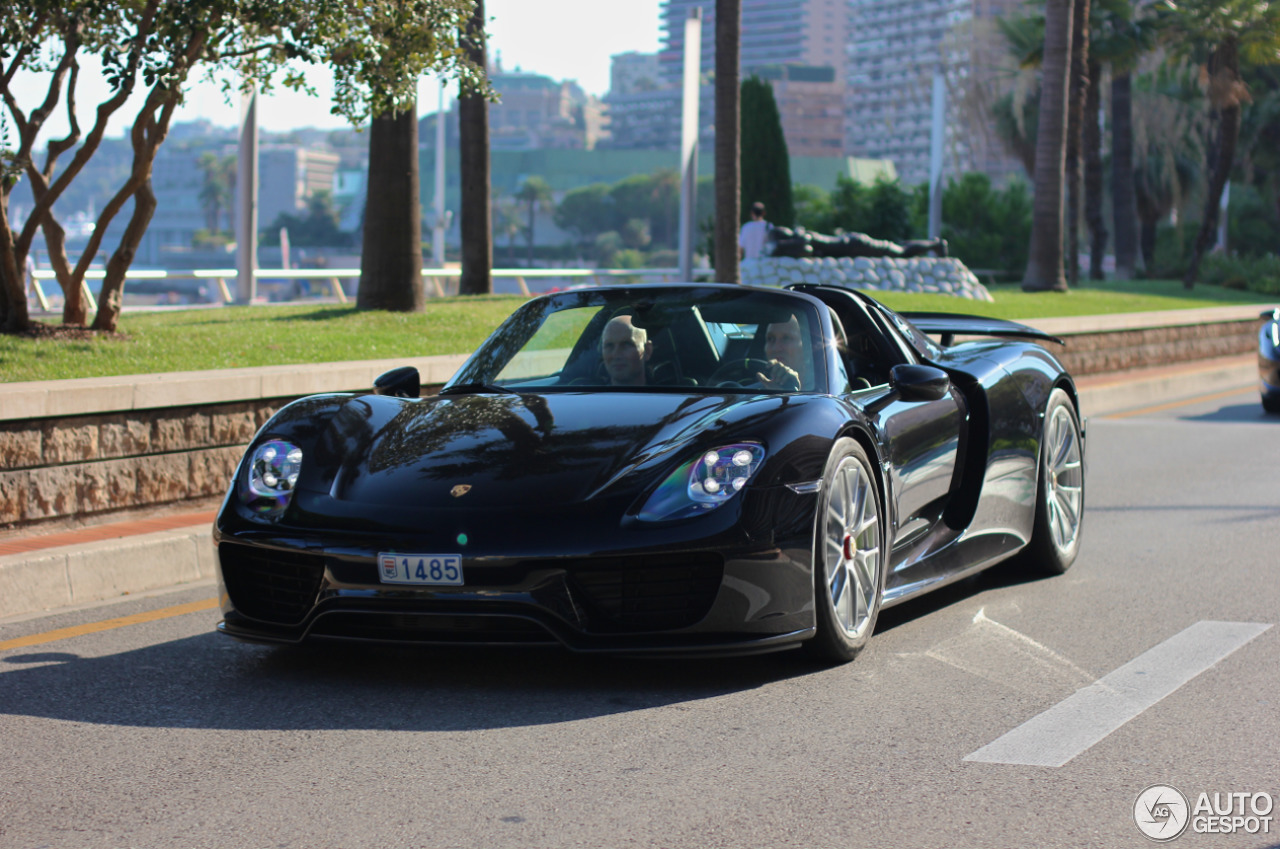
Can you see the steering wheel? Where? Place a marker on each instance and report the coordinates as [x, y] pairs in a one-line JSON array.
[[738, 371]]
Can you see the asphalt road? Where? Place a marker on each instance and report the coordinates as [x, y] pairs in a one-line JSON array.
[[163, 734]]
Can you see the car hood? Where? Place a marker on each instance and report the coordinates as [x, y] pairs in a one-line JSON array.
[[534, 451]]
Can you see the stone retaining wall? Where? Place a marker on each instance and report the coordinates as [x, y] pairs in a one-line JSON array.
[[1121, 350], [56, 468]]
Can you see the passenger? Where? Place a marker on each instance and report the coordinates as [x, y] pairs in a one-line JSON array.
[[789, 361], [626, 350]]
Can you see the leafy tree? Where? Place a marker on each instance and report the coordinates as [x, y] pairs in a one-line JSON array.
[[535, 194], [317, 228], [813, 207], [586, 212], [152, 47], [881, 210], [766, 166], [984, 227], [217, 189], [1217, 36]]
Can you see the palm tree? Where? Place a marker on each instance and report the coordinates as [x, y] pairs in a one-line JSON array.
[[391, 252], [728, 139], [1121, 38], [1217, 35], [1079, 87], [473, 172], [536, 195], [1168, 146], [1044, 263]]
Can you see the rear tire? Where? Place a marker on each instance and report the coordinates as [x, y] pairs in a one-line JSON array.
[[1055, 539], [1271, 403], [849, 555]]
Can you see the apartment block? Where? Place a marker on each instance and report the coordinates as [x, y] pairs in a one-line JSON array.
[[895, 49]]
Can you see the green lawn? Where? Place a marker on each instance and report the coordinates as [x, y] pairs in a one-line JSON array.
[[234, 337]]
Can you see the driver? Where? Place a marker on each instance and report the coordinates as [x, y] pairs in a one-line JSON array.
[[626, 350], [789, 363]]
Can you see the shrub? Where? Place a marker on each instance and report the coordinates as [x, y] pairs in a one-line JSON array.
[[1254, 274]]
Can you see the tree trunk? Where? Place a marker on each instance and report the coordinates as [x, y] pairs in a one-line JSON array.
[[1124, 215], [1091, 140], [1224, 75], [1079, 84], [476, 222], [14, 317], [391, 255], [1044, 261], [533, 211], [110, 298], [728, 139]]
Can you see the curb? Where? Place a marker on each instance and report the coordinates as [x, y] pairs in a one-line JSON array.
[[97, 571], [1102, 395]]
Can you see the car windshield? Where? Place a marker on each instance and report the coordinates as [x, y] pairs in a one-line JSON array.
[[673, 338]]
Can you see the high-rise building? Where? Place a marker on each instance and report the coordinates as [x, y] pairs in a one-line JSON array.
[[798, 45], [895, 49]]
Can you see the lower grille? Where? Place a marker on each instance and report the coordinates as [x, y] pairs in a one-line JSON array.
[[268, 584], [431, 628], [655, 593]]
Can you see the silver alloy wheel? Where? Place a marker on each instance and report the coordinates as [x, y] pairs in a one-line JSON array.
[[1064, 478], [851, 548]]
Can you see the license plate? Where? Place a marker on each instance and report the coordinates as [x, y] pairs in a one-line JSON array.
[[430, 570]]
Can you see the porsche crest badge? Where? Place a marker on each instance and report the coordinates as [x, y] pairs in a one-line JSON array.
[[460, 490]]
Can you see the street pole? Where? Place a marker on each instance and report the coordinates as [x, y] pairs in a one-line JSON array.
[[936, 138], [247, 199], [689, 141], [437, 240]]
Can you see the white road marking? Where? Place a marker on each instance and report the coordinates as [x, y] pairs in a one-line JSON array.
[[991, 650], [1081, 720]]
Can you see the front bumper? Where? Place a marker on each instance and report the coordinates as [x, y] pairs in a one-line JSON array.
[[724, 590]]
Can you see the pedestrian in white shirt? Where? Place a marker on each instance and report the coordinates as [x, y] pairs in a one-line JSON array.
[[754, 232]]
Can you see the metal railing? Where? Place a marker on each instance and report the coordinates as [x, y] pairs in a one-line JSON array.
[[442, 281]]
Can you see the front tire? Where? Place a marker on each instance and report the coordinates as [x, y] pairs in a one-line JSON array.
[[849, 555], [1055, 539]]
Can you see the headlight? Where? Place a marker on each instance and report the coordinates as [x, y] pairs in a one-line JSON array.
[[268, 483], [704, 482]]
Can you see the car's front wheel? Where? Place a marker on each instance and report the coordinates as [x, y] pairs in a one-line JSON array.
[[849, 555]]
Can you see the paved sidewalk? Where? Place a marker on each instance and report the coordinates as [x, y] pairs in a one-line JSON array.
[[109, 560]]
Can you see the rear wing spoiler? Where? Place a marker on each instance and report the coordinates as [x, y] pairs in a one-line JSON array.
[[950, 325]]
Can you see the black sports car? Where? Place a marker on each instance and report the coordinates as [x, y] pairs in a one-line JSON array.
[[1269, 361], [660, 468]]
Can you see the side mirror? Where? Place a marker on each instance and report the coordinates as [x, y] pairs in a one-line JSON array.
[[919, 383], [402, 382]]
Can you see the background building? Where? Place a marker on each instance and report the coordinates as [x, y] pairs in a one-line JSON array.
[[798, 45], [895, 48]]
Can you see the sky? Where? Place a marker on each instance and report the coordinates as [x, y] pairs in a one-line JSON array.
[[563, 39]]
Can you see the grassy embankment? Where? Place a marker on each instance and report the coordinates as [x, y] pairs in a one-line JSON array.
[[235, 337]]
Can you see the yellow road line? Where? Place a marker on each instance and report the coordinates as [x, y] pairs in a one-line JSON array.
[[1174, 404], [109, 624]]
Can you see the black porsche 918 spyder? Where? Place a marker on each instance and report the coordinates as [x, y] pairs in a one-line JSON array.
[[660, 469]]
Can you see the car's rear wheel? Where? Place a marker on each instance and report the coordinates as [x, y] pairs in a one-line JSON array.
[[849, 555], [1271, 403], [1055, 540]]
